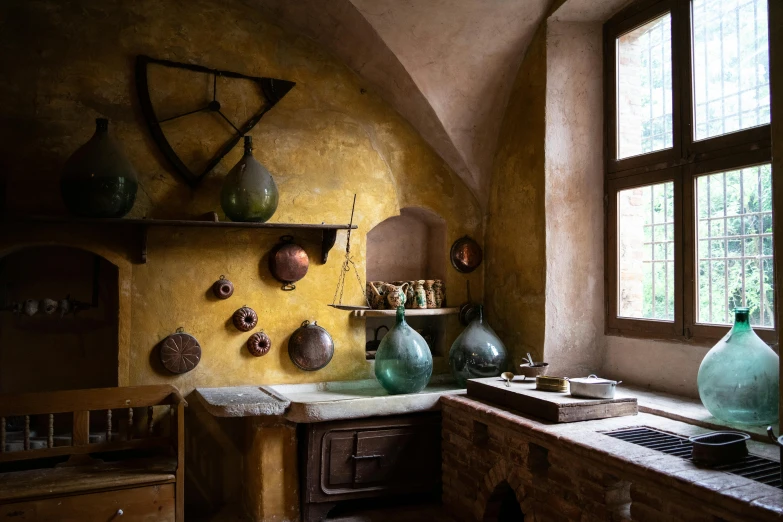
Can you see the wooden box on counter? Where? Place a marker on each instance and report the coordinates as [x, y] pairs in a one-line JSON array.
[[523, 397]]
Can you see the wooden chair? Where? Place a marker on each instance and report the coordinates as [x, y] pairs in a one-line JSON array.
[[130, 467]]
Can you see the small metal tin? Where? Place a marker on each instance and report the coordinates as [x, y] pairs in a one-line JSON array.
[[222, 288], [549, 383]]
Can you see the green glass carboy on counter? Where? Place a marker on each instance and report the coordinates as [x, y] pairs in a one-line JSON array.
[[739, 377], [249, 192], [403, 362]]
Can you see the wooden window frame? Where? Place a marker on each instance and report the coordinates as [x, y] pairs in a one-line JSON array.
[[682, 164]]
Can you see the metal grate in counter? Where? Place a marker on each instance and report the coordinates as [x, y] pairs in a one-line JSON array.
[[752, 467]]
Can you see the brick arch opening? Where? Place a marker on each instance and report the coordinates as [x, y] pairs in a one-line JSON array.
[[503, 506], [502, 497]]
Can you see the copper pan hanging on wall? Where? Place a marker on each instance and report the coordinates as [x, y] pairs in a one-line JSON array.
[[310, 347], [466, 255], [288, 262]]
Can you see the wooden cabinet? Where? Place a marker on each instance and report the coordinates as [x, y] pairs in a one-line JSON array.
[[368, 458], [147, 504]]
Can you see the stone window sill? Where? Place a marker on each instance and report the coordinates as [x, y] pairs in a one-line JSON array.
[[687, 410]]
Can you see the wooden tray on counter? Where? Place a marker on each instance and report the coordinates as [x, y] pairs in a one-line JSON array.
[[523, 397]]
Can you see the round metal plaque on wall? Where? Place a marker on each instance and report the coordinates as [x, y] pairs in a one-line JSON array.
[[466, 255], [180, 352]]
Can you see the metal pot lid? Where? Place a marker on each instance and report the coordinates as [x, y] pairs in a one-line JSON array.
[[594, 379], [310, 347]]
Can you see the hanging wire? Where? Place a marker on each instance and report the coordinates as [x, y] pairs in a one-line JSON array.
[[348, 262]]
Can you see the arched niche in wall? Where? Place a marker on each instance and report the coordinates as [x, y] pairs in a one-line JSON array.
[[49, 352], [407, 247]]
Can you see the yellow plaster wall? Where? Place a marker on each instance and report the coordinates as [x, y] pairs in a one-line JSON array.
[[68, 63], [516, 226]]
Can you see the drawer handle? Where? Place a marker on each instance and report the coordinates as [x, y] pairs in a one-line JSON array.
[[362, 457], [120, 512]]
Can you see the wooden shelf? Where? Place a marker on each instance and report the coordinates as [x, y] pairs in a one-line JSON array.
[[409, 312], [328, 232]]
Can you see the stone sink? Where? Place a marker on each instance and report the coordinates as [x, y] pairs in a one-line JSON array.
[[323, 401]]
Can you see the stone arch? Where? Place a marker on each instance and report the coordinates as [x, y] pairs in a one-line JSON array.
[[487, 498]]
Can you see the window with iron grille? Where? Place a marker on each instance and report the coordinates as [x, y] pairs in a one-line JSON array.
[[688, 173]]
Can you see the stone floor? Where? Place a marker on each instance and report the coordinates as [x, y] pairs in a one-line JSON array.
[[416, 513], [426, 512]]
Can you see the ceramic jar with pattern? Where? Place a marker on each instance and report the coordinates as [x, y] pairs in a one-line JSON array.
[[376, 295], [440, 293], [410, 294], [420, 300], [430, 293]]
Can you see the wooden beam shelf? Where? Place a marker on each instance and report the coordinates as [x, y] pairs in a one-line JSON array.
[[409, 312], [328, 232]]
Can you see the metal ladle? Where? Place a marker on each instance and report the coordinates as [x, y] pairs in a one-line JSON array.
[[508, 376]]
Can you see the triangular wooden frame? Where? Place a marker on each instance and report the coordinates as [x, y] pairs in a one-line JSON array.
[[272, 89]]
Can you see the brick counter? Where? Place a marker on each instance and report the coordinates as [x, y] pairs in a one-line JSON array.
[[571, 472]]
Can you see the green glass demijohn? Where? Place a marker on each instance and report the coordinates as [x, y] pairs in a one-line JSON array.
[[738, 378], [98, 181], [249, 192], [403, 362], [477, 352]]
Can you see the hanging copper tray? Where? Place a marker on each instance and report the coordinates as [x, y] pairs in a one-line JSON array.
[[466, 255], [310, 347]]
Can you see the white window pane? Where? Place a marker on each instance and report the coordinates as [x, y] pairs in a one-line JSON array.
[[730, 66], [734, 232], [644, 89], [646, 252]]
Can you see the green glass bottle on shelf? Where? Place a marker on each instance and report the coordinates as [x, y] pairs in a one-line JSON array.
[[98, 181], [403, 362], [249, 192], [739, 377]]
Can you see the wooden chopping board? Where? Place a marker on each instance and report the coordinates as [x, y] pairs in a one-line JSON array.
[[523, 397]]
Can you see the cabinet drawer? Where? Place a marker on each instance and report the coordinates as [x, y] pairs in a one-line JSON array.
[[147, 504]]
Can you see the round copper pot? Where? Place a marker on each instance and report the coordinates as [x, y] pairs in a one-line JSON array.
[[310, 347], [288, 262]]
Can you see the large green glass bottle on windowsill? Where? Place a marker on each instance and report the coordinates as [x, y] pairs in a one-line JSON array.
[[739, 377], [403, 362]]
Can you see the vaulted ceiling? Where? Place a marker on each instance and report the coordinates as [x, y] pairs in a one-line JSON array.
[[446, 65]]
